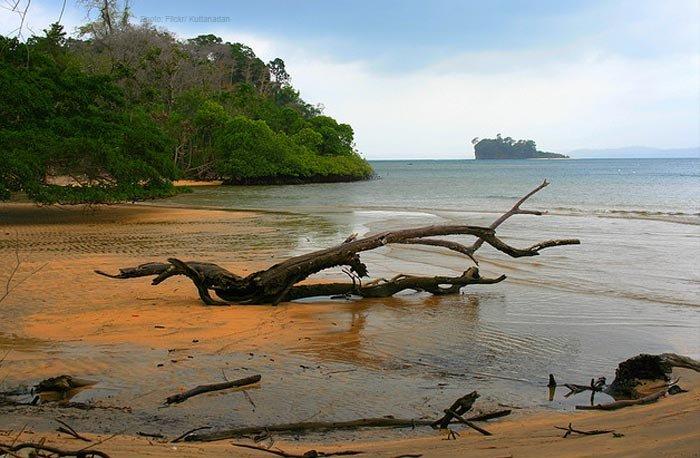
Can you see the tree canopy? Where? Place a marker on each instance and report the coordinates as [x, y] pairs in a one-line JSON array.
[[121, 111], [507, 148]]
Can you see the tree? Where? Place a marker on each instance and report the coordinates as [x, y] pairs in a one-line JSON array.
[[205, 40], [61, 121], [279, 72], [111, 16]]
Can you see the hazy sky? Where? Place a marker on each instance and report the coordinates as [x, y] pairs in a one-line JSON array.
[[420, 79]]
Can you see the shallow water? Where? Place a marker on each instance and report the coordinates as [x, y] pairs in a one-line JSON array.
[[632, 286]]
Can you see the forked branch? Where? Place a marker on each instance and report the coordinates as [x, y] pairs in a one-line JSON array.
[[281, 281]]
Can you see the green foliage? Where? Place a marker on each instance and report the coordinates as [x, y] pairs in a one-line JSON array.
[[249, 149], [126, 110], [507, 148], [61, 121]]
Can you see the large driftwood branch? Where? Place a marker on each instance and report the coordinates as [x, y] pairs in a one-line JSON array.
[[280, 282], [313, 426]]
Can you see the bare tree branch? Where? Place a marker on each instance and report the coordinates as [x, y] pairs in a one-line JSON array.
[[280, 282]]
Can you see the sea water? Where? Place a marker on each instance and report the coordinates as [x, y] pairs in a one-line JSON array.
[[632, 286]]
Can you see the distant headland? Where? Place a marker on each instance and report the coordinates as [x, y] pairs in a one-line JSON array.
[[507, 148]]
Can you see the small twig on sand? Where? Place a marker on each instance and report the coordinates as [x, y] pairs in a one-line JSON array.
[[4, 357], [12, 275], [9, 289], [177, 398], [69, 430], [451, 435], [85, 452], [308, 454], [187, 433], [247, 396], [18, 435], [594, 432]]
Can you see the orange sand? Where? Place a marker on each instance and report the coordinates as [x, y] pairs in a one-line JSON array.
[[65, 301]]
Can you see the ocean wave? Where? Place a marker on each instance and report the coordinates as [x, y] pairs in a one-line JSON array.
[[589, 289], [390, 213], [692, 218]]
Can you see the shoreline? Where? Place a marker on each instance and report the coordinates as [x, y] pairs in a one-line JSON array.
[[666, 428], [92, 327]]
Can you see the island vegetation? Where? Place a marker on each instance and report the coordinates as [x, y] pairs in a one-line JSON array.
[[121, 111], [507, 148]]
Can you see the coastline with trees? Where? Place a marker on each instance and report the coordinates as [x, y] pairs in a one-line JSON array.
[[126, 109]]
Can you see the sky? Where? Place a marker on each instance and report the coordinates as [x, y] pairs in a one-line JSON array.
[[420, 79]]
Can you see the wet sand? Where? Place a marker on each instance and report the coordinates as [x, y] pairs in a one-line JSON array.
[[143, 343]]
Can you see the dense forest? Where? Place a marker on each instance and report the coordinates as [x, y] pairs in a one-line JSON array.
[[124, 109], [507, 148]]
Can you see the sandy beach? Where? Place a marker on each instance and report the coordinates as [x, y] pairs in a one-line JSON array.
[[143, 343]]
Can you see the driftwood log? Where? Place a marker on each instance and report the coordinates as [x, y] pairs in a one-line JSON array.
[[634, 378], [180, 397], [615, 405], [323, 426], [280, 282], [634, 371]]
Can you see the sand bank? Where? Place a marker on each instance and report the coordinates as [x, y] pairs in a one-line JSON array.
[[144, 343]]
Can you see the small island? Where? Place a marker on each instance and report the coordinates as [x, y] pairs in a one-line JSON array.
[[507, 148]]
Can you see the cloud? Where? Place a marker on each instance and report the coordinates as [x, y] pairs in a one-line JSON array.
[[591, 92], [590, 100]]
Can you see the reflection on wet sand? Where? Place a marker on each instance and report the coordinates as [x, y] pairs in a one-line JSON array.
[[375, 333], [345, 342]]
